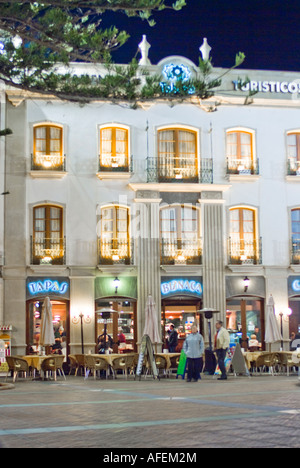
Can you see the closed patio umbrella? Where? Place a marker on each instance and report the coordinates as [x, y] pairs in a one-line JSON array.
[[151, 321], [272, 334], [47, 333]]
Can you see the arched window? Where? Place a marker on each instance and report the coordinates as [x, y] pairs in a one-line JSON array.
[[180, 235], [243, 242], [177, 155], [48, 244], [240, 152], [48, 147], [114, 244], [114, 149]]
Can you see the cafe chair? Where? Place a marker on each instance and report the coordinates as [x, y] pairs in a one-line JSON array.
[[269, 360], [285, 360], [80, 358], [73, 364], [95, 364], [16, 365], [161, 363], [124, 363], [53, 364], [174, 364]]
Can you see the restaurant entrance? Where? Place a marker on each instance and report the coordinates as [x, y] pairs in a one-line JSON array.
[[182, 312], [61, 326], [245, 318], [120, 327]]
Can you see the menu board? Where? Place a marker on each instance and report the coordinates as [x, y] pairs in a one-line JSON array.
[[146, 350]]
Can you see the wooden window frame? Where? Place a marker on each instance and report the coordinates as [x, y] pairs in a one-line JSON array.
[[114, 145], [48, 139], [177, 154], [239, 145], [47, 237]]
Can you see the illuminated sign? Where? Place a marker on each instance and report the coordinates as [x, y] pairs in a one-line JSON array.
[[185, 286], [296, 285], [284, 87], [175, 75], [42, 287]]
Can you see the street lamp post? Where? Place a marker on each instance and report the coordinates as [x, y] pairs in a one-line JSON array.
[[81, 326]]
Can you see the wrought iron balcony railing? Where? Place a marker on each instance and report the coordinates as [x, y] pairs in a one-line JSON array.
[[48, 251], [46, 162], [244, 252], [115, 164], [115, 252], [293, 167], [181, 252], [180, 172], [295, 255], [244, 166]]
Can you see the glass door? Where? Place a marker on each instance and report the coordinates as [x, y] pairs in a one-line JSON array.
[[245, 322]]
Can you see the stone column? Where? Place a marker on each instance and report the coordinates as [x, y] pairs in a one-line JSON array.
[[214, 292], [147, 254], [14, 270]]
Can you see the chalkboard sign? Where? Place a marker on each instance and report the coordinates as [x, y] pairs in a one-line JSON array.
[[146, 350]]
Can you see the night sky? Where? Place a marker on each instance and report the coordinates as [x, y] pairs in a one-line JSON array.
[[268, 32]]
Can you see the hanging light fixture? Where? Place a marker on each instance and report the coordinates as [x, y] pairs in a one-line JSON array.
[[246, 283], [116, 284]]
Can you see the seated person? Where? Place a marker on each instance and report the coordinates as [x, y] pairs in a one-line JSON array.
[[253, 344]]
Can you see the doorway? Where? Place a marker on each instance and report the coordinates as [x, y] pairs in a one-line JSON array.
[[183, 314], [61, 326], [120, 328], [244, 318]]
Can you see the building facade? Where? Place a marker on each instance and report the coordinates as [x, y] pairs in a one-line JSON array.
[[196, 204]]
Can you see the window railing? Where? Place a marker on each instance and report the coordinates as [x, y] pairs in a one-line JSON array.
[[293, 167], [115, 252], [48, 251], [180, 172], [115, 164], [181, 252], [244, 252], [44, 162], [242, 166], [295, 256]]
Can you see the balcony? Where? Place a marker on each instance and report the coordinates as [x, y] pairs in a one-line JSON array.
[[293, 167], [242, 167], [295, 255], [48, 251], [44, 165], [115, 252], [181, 252], [244, 252], [181, 173], [115, 167]]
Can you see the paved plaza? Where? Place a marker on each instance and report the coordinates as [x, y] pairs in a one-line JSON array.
[[261, 411]]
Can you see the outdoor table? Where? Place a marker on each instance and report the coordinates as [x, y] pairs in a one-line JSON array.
[[35, 361], [109, 358]]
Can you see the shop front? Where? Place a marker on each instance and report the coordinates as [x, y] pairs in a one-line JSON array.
[[294, 305], [245, 316], [116, 331], [58, 290], [181, 303]]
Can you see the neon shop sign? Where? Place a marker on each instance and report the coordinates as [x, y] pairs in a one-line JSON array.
[[182, 286], [47, 286]]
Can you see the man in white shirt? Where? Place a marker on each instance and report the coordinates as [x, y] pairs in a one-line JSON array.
[[222, 341]]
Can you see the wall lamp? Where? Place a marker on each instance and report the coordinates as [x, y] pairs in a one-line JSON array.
[[246, 283], [116, 284]]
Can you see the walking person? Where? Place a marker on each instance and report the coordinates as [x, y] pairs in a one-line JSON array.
[[222, 341], [194, 349]]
